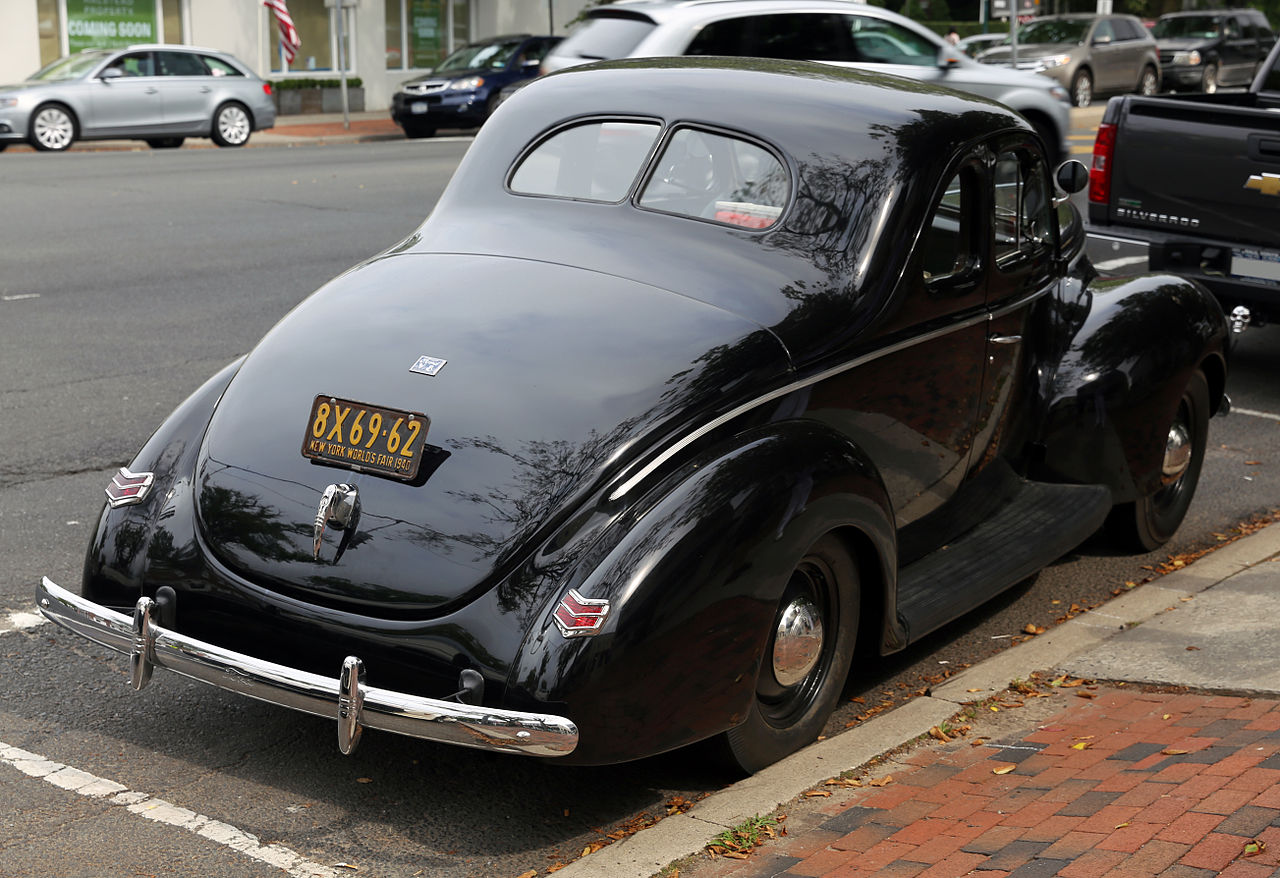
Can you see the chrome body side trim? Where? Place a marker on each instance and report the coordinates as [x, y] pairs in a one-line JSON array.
[[694, 435], [346, 699]]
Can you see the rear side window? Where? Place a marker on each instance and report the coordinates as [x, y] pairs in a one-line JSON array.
[[887, 42], [593, 161], [793, 36], [712, 176], [218, 67], [604, 37], [180, 64]]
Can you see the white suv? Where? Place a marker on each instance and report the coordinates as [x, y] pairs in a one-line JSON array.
[[851, 34]]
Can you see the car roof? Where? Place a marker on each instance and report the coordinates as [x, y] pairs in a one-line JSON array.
[[668, 10]]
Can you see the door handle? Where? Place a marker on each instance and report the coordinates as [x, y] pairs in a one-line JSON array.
[[1004, 339], [204, 89], [152, 90]]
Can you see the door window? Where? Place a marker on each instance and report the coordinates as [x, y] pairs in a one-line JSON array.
[[595, 161], [1023, 210], [135, 64], [180, 64], [887, 42], [798, 36], [948, 246]]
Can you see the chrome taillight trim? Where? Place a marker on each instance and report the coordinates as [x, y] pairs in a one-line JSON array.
[[127, 487], [345, 699], [577, 616]]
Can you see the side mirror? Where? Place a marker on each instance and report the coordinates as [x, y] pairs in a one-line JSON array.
[[948, 57], [1072, 177], [531, 63], [111, 73], [1101, 41]]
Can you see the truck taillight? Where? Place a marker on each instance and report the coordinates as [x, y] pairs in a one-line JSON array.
[[1104, 150]]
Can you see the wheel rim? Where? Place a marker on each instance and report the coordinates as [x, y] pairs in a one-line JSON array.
[[1149, 82], [1084, 91], [799, 654], [1210, 79], [233, 125], [52, 128], [1179, 449]]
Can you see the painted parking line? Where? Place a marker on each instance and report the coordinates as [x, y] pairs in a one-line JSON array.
[[1254, 414], [1119, 262], [88, 785], [20, 622]]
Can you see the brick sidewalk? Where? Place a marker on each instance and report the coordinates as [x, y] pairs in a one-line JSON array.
[[1124, 784]]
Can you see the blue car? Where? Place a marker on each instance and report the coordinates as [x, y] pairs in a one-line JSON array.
[[463, 90]]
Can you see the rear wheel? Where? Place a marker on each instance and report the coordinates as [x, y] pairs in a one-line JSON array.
[[1150, 522], [806, 660], [52, 129], [1209, 78], [231, 125], [1082, 88], [1149, 82], [165, 142]]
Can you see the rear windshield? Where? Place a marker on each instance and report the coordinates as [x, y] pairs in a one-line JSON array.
[[595, 161], [1186, 27], [602, 38]]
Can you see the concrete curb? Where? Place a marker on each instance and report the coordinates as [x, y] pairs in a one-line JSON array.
[[651, 850]]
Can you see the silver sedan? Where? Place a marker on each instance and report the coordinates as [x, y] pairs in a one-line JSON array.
[[161, 94]]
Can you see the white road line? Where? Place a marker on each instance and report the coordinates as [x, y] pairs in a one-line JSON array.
[[19, 621], [77, 781], [1254, 414], [19, 297], [1121, 262]]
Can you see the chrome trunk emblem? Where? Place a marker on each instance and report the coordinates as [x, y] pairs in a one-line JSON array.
[[428, 365], [340, 507]]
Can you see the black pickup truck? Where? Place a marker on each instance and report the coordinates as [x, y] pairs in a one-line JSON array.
[[1196, 180]]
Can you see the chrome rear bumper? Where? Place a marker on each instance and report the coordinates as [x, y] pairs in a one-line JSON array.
[[345, 698]]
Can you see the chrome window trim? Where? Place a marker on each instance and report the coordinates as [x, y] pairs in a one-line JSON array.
[[693, 436]]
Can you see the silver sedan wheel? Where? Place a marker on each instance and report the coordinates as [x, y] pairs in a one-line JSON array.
[[52, 129], [231, 126]]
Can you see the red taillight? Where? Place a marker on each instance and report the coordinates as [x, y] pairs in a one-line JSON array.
[[127, 488], [1104, 151], [577, 615], [266, 89]]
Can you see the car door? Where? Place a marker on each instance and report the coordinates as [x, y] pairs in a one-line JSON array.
[[187, 86], [1019, 280], [1236, 53], [126, 98], [1107, 55]]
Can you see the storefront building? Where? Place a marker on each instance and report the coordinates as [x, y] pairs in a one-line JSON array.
[[384, 41]]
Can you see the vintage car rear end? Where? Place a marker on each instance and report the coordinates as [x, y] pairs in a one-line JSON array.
[[713, 415]]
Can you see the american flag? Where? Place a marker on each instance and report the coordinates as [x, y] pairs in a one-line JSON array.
[[289, 42]]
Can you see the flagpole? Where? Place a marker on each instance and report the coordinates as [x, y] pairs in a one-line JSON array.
[[342, 64]]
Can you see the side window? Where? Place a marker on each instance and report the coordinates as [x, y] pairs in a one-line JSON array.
[[712, 176], [887, 42], [136, 64], [724, 37], [947, 246], [1104, 33], [1233, 28], [180, 64], [798, 36], [1023, 209], [218, 67], [596, 161]]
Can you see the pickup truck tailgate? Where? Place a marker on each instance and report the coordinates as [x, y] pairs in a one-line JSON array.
[[1209, 169]]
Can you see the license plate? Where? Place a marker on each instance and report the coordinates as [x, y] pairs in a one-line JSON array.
[[366, 438], [418, 108], [1260, 264]]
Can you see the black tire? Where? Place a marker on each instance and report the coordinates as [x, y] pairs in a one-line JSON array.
[[1150, 522], [1081, 89], [1209, 78], [165, 142], [3, 147], [53, 128], [415, 130], [1148, 82], [787, 713], [232, 125]]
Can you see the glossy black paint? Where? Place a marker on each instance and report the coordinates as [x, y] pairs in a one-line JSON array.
[[661, 411]]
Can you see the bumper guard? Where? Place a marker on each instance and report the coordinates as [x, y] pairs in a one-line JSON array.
[[345, 698]]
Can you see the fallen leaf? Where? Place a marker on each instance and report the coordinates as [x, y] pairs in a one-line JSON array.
[[736, 855], [1172, 752], [357, 868], [882, 781], [532, 873], [1083, 745], [1167, 716], [1255, 847], [364, 780], [1193, 649], [1253, 463], [1031, 628], [1086, 694], [1003, 769], [1121, 825], [973, 690], [811, 794]]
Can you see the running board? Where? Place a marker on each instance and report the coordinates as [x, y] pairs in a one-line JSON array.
[[1040, 523]]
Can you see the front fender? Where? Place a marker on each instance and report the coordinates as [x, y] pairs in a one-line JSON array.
[[693, 579], [1111, 398]]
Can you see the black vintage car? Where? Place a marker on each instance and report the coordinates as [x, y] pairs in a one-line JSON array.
[[738, 396]]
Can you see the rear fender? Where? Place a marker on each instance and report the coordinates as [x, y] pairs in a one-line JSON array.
[[693, 579], [1113, 395]]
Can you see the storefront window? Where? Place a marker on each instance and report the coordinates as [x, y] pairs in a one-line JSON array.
[[171, 17], [50, 30], [314, 21], [420, 33], [108, 24]]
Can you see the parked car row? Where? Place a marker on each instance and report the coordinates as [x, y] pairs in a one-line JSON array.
[[158, 93]]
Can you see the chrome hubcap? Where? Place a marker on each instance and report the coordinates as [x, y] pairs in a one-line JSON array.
[[53, 129], [797, 644], [1177, 454], [233, 124]]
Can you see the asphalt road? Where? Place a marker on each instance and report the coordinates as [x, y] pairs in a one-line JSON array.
[[125, 280]]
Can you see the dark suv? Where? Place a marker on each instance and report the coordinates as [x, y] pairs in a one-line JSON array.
[[1203, 50]]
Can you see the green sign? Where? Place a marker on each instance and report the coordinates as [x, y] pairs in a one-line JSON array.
[[109, 24], [425, 38]]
